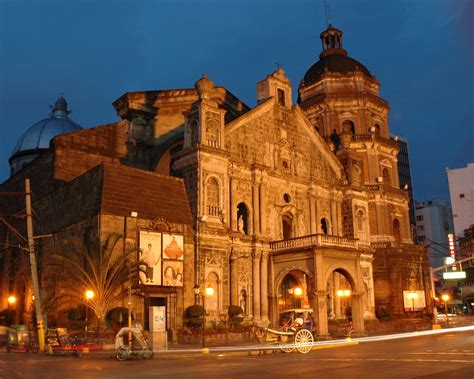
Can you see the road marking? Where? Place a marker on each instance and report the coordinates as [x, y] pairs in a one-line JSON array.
[[432, 353], [392, 360]]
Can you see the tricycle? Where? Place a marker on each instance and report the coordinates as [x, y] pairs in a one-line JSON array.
[[138, 346], [20, 339]]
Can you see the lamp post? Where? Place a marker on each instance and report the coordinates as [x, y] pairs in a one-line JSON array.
[[445, 298], [208, 292], [11, 301], [89, 295], [412, 296]]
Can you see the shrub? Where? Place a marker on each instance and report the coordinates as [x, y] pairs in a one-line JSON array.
[[383, 313], [236, 316], [235, 310], [194, 316]]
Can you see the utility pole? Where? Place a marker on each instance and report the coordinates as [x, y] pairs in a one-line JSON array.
[[34, 271]]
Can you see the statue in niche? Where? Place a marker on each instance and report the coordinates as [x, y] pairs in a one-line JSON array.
[[240, 224]]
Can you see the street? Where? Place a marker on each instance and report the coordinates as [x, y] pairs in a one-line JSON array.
[[448, 355]]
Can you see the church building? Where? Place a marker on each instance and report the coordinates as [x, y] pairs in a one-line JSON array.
[[290, 204]]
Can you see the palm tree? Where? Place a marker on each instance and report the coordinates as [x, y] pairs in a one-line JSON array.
[[105, 270]]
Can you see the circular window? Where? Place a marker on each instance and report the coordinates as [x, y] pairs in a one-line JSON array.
[[287, 198]]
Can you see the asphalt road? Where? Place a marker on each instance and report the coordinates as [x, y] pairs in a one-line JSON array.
[[449, 355]]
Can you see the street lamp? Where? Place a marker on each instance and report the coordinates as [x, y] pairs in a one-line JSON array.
[[11, 301], [89, 295], [445, 298], [344, 294], [208, 292], [412, 296]]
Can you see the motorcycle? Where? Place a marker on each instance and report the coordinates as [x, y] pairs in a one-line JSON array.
[[138, 347]]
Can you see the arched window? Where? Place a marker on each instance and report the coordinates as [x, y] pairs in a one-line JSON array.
[[377, 129], [287, 226], [396, 230], [242, 218], [324, 226], [348, 126], [212, 302], [212, 133], [212, 199]]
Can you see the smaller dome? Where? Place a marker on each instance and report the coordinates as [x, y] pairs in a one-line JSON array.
[[336, 63], [37, 138], [333, 58]]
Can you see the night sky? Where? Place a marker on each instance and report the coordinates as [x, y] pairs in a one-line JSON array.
[[94, 51]]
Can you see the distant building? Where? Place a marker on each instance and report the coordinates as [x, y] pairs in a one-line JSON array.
[[404, 173], [433, 224], [461, 190]]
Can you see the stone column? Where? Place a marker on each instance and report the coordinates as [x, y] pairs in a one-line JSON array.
[[231, 209], [256, 285], [339, 220], [263, 209], [333, 218], [380, 216], [312, 215], [256, 211], [337, 299], [318, 216], [358, 314], [234, 289], [319, 295], [264, 286]]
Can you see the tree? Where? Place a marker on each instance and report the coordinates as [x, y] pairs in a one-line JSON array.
[[103, 269]]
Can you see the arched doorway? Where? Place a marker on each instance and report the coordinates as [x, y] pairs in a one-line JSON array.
[[396, 230], [344, 305], [339, 291]]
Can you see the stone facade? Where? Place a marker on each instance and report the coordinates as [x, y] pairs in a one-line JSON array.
[[278, 198]]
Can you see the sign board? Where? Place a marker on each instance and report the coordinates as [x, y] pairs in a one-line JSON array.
[[414, 301], [454, 275], [448, 261], [157, 317]]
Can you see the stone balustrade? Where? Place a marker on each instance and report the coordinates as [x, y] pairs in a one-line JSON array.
[[312, 240]]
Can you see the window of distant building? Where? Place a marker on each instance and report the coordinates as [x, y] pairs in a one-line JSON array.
[[281, 97], [419, 218], [421, 238], [461, 195]]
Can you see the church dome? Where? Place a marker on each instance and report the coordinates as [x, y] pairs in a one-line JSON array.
[[37, 138], [333, 59]]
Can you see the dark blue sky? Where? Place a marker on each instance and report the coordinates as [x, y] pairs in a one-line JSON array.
[[93, 51]]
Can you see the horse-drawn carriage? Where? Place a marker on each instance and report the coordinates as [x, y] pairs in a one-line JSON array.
[[295, 331]]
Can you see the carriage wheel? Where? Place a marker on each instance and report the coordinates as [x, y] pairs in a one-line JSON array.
[[287, 345], [304, 341]]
